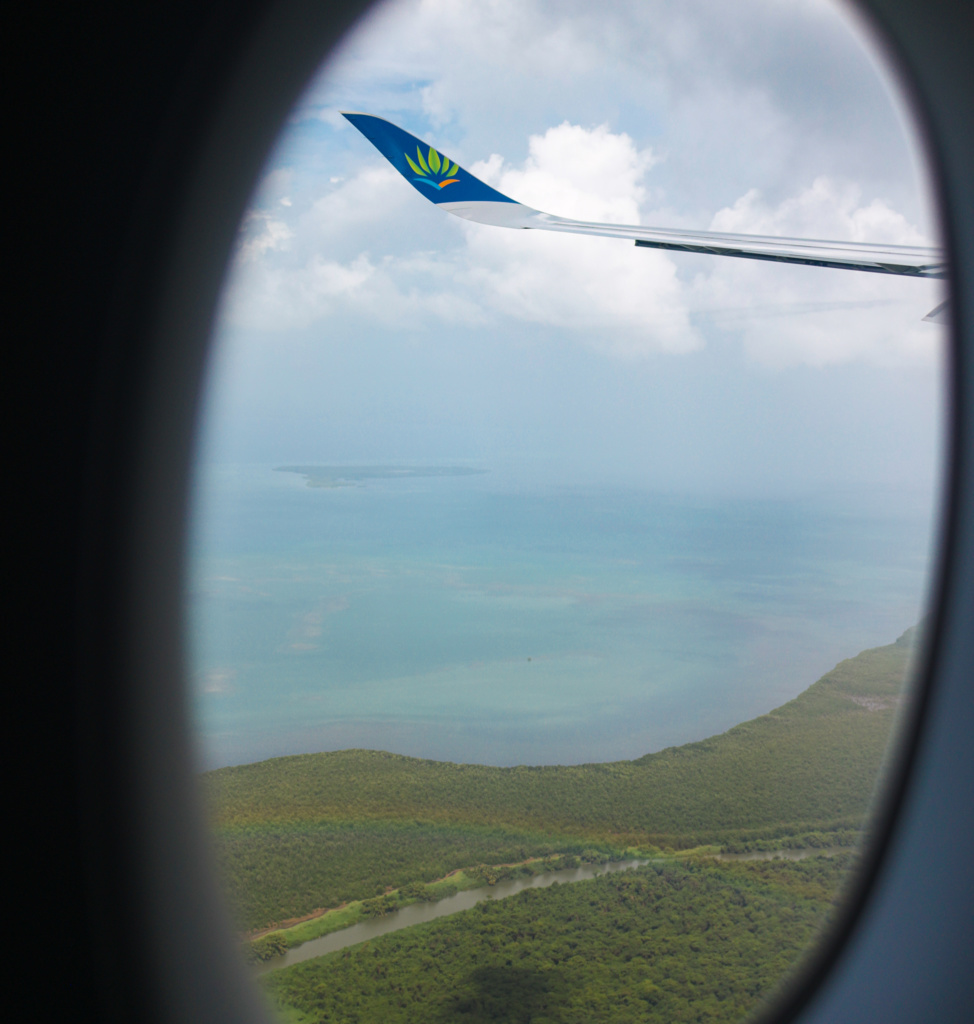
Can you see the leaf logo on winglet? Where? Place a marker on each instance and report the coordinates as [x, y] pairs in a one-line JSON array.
[[433, 170]]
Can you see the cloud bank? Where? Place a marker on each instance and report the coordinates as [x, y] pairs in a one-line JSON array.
[[359, 322], [601, 293]]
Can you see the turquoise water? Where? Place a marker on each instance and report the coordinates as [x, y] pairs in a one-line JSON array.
[[477, 618]]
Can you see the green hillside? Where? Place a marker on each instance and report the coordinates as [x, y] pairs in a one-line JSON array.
[[299, 833]]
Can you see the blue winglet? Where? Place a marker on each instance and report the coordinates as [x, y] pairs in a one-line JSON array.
[[433, 175]]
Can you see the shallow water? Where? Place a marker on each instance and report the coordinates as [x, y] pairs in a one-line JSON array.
[[462, 619]]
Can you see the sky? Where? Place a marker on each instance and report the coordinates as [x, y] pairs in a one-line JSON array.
[[360, 324]]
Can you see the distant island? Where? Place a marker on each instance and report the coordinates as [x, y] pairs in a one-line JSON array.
[[354, 476]]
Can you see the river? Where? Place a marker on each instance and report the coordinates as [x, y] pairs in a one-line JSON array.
[[417, 913]]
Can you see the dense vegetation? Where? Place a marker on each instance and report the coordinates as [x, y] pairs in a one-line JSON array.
[[287, 870], [268, 944], [665, 943], [299, 833]]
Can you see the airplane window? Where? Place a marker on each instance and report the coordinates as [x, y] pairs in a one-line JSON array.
[[554, 599]]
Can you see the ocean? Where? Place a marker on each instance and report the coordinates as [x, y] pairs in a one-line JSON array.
[[483, 617]]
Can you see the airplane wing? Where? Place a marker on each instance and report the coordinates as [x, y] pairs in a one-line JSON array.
[[447, 185]]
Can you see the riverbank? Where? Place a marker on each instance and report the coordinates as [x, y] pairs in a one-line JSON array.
[[270, 943], [461, 890], [413, 914]]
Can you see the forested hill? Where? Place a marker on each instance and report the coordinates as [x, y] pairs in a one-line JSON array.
[[808, 766]]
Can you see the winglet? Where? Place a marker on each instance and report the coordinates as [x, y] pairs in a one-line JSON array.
[[432, 174]]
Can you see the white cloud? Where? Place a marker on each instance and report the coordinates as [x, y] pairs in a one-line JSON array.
[[399, 293], [660, 112], [453, 53], [820, 316], [374, 195], [262, 234], [826, 209], [591, 174], [278, 298], [597, 290], [617, 300], [262, 231], [363, 249]]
